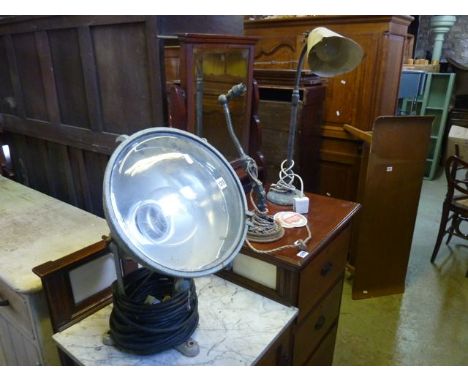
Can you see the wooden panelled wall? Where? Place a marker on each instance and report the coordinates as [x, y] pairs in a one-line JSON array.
[[68, 87]]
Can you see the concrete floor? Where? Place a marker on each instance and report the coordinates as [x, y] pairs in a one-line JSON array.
[[428, 324]]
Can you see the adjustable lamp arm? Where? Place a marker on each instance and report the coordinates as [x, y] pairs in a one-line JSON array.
[[249, 163], [294, 103], [223, 99]]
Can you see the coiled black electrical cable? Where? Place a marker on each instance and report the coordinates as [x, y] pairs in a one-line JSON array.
[[142, 328]]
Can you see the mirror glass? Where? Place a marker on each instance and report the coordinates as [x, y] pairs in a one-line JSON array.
[[216, 70]]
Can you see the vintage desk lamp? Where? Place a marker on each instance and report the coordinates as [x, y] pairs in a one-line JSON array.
[[174, 205], [262, 227], [328, 54]]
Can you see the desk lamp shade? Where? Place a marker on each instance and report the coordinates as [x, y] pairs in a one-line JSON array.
[[174, 203], [330, 54]]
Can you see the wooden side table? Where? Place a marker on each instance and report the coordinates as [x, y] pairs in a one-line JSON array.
[[312, 283]]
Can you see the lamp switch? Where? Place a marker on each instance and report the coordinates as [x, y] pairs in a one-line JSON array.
[[301, 205]]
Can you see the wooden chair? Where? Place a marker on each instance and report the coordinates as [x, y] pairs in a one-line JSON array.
[[79, 284], [455, 207]]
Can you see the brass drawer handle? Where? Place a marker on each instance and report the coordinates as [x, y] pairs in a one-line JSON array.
[[320, 322], [326, 269], [4, 302]]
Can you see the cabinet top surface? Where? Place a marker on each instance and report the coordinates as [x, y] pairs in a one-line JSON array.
[[207, 38], [36, 228], [326, 219], [405, 19], [236, 327]]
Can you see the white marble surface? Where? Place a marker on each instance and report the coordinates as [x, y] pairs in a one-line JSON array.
[[236, 327], [35, 228]]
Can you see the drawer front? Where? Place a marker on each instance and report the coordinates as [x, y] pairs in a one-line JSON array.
[[314, 327], [323, 356], [322, 273], [15, 309]]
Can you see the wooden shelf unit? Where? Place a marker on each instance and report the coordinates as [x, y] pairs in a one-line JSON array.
[[434, 101]]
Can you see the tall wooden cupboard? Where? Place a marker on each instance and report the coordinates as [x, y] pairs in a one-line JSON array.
[[355, 98]]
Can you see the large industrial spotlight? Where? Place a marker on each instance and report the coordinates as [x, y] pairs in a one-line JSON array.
[[328, 54], [174, 205]]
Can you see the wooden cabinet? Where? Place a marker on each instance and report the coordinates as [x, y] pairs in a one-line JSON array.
[[202, 67], [35, 228], [25, 333], [278, 353], [312, 283], [355, 98]]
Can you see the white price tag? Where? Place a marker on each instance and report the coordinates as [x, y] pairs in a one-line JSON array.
[[221, 183], [303, 254]]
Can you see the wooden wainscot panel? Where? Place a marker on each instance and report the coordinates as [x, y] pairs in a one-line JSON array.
[[69, 78], [69, 85], [30, 77], [122, 64]]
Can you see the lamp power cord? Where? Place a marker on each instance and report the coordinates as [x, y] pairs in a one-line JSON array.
[[286, 179], [154, 314]]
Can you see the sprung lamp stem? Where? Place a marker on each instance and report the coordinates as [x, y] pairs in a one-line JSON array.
[[199, 99], [249, 163], [294, 103], [224, 100], [118, 267]]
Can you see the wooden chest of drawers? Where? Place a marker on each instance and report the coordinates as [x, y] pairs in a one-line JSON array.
[[313, 283]]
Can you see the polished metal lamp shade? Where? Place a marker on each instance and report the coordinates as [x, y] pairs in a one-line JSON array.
[[174, 203]]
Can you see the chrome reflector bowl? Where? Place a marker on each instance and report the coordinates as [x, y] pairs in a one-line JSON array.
[[174, 203]]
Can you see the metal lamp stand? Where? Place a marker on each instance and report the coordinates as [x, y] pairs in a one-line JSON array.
[[189, 348], [283, 192]]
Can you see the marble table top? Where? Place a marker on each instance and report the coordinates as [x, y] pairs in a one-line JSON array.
[[236, 328], [36, 228]]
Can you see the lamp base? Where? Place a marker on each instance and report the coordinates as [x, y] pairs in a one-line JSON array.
[[264, 229], [283, 198]]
